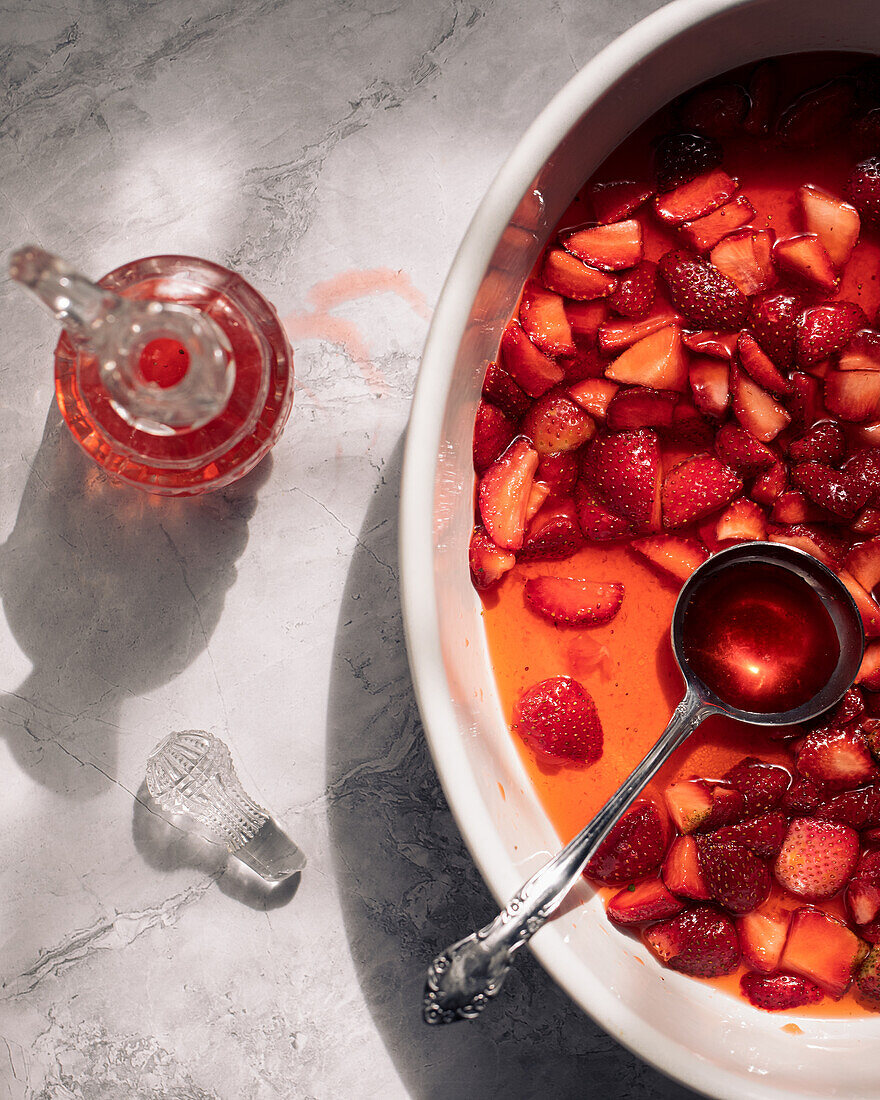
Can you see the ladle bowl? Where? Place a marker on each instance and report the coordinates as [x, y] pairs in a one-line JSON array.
[[463, 979]]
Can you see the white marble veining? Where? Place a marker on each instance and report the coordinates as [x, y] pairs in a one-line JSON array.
[[333, 153]]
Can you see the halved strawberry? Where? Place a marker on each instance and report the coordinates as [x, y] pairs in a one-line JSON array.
[[791, 507], [634, 847], [817, 858], [865, 468], [862, 352], [695, 488], [681, 870], [690, 426], [529, 367], [824, 442], [821, 331], [695, 198], [680, 157], [701, 942], [742, 521], [501, 390], [567, 275], [697, 805], [707, 298], [739, 449], [716, 345], [554, 423], [762, 785], [746, 259], [838, 759], [806, 402], [585, 318], [769, 486], [716, 109], [773, 320], [558, 717], [537, 497], [763, 93], [488, 562], [710, 386], [617, 335], [736, 878], [657, 361], [859, 809], [863, 561], [553, 533], [594, 395], [559, 472], [644, 901], [821, 949], [801, 798], [835, 490], [762, 937], [608, 247], [493, 432], [780, 992], [818, 114], [639, 407], [759, 366], [850, 709], [868, 974], [635, 291], [869, 670], [853, 394], [616, 200], [804, 257], [867, 523], [863, 890], [832, 220], [625, 468], [677, 556], [705, 233], [542, 316], [755, 409], [585, 363], [575, 602], [863, 189], [762, 835], [804, 538], [504, 494], [597, 521]]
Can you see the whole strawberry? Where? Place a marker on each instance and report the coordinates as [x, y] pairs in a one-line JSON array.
[[708, 299], [863, 189], [558, 718]]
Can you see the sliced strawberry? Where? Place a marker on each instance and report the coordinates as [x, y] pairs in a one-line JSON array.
[[559, 472], [640, 408], [818, 114], [824, 442], [701, 942], [869, 670], [762, 835], [769, 486], [705, 233], [608, 247], [762, 785], [736, 878], [678, 557], [863, 561], [858, 809], [817, 858], [762, 937], [832, 220], [696, 805], [863, 890], [821, 949], [755, 409], [867, 522], [585, 363], [865, 468], [780, 992], [742, 521], [716, 345], [493, 432], [710, 386], [804, 257], [759, 366], [597, 521], [791, 508], [679, 158], [862, 352], [835, 490], [634, 847], [574, 602], [542, 316], [614, 201], [644, 901], [717, 110], [707, 298], [585, 318], [853, 394], [501, 390], [690, 426], [863, 189], [868, 974], [529, 367], [821, 331], [681, 870], [838, 759], [567, 275], [617, 335], [504, 494], [625, 468], [806, 402], [868, 608], [804, 538], [773, 320], [746, 259], [553, 533], [850, 709], [696, 198], [695, 488], [594, 395], [763, 93], [658, 361], [537, 497], [635, 292], [558, 718], [487, 561], [740, 450], [554, 423]]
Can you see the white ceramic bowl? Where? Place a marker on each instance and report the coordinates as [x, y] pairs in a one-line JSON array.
[[703, 1037]]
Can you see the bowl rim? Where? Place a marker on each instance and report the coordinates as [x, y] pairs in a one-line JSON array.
[[416, 546]]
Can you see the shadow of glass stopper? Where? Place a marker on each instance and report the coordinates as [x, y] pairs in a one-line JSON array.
[[192, 773]]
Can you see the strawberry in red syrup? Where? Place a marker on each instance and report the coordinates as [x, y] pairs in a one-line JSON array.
[[558, 718]]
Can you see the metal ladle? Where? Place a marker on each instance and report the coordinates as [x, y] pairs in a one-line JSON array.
[[463, 979]]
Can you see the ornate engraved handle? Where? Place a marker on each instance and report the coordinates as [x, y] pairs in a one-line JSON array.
[[462, 980]]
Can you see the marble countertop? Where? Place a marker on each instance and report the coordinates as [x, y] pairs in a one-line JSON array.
[[333, 152]]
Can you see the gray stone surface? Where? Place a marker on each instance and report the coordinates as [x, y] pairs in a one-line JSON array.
[[333, 152]]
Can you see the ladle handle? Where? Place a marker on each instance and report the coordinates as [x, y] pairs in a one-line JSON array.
[[466, 975]]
